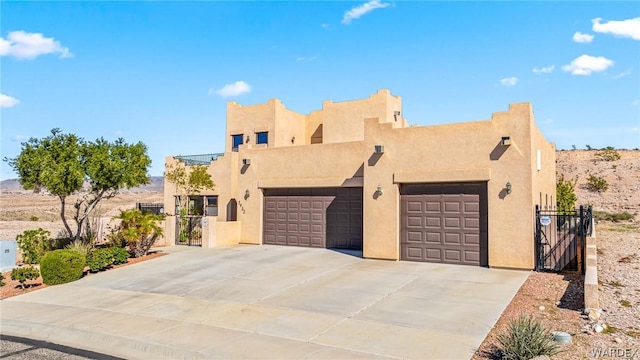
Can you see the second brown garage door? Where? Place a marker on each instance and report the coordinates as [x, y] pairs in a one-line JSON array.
[[444, 223], [313, 217]]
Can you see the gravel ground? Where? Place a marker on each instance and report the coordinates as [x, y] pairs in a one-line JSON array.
[[557, 300], [25, 349]]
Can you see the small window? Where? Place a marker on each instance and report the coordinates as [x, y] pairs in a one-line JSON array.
[[212, 206], [262, 137], [236, 141]]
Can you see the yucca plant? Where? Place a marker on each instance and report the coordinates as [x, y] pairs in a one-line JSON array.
[[526, 338], [79, 247]]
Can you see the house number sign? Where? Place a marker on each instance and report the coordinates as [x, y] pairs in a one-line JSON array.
[[545, 220]]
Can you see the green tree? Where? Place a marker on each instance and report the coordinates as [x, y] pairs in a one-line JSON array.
[[565, 195], [189, 181], [65, 165]]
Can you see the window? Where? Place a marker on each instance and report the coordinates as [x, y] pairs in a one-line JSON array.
[[236, 141], [212, 206], [262, 137]]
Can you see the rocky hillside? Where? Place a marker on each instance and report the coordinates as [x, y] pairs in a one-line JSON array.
[[156, 184], [622, 177]]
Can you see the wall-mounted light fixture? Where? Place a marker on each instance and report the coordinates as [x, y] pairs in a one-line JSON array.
[[506, 141], [379, 190], [246, 161], [378, 149], [246, 194], [293, 139], [396, 113], [248, 138], [508, 187]]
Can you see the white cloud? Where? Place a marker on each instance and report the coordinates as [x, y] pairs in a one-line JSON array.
[[509, 82], [586, 64], [24, 45], [544, 69], [358, 11], [302, 58], [325, 26], [625, 28], [18, 138], [235, 89], [7, 101], [622, 74], [582, 38]]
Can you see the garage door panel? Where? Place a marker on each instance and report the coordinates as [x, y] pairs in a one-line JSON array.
[[472, 223], [452, 223], [433, 207], [472, 239], [434, 237], [414, 221], [414, 236], [453, 226], [452, 255], [471, 207], [433, 222], [414, 253], [414, 207], [432, 254], [472, 257], [452, 239], [452, 207]]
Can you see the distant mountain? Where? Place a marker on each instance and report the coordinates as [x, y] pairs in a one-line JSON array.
[[156, 185]]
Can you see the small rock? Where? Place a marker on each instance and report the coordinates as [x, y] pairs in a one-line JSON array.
[[598, 328], [541, 308], [618, 340], [594, 315]]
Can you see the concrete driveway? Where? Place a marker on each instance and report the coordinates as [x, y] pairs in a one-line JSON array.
[[267, 302]]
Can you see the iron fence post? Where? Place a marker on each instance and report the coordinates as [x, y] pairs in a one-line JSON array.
[[538, 240]]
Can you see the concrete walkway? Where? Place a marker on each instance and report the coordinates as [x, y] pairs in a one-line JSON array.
[[262, 302]]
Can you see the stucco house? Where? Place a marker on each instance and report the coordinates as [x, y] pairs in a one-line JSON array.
[[355, 175]]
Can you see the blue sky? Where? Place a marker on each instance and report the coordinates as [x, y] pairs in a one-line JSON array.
[[162, 72]]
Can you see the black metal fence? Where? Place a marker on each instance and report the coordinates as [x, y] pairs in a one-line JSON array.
[[189, 230], [154, 208], [561, 239]]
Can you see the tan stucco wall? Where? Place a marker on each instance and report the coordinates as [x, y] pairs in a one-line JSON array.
[[461, 152]]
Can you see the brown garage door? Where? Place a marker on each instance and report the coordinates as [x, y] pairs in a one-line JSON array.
[[323, 217], [444, 223]]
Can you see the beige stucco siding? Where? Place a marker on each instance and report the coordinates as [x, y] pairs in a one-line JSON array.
[[452, 153]]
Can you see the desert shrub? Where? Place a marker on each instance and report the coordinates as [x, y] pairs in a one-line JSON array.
[[1, 279], [565, 195], [34, 244], [100, 259], [62, 266], [33, 218], [120, 255], [23, 274], [137, 230], [526, 338], [615, 217], [80, 247], [608, 154], [597, 183]]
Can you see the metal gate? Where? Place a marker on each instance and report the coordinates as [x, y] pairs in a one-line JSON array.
[[189, 230], [561, 239]]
